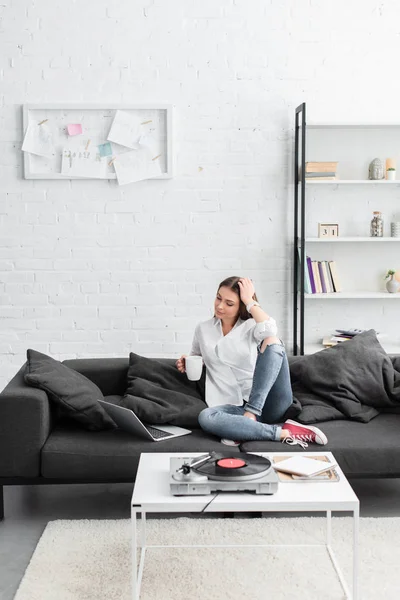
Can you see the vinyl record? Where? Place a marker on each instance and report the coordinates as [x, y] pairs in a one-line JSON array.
[[234, 466]]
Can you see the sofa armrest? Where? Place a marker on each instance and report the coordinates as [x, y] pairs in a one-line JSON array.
[[25, 424]]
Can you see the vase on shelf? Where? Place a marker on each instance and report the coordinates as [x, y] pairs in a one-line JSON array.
[[392, 285], [391, 174]]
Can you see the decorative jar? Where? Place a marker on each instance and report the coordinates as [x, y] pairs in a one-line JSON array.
[[377, 224]]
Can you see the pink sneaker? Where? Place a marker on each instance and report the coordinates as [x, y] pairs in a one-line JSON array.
[[301, 434]]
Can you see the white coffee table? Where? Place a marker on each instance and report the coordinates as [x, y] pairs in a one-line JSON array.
[[151, 494]]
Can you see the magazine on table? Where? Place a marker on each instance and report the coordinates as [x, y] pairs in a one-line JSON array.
[[300, 468]]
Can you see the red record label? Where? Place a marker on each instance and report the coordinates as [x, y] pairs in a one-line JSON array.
[[231, 463]]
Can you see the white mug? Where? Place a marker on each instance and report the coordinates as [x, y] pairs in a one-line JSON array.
[[193, 367]]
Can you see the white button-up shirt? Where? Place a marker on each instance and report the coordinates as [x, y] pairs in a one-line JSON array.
[[230, 360]]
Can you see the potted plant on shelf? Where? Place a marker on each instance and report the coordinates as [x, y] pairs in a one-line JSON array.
[[392, 285], [391, 174]]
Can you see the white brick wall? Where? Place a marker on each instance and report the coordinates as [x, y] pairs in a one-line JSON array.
[[88, 269]]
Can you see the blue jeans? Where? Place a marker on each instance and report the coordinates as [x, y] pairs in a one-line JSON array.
[[270, 397]]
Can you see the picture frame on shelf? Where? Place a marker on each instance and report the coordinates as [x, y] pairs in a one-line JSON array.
[[328, 230]]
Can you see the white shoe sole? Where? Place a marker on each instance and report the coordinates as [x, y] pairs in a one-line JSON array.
[[229, 442], [320, 437]]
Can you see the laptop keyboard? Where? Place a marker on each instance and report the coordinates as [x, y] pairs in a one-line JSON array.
[[157, 433]]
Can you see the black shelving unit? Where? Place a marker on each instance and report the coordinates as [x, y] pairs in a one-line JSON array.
[[299, 250]]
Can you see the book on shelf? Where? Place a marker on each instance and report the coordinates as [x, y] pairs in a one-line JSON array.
[[321, 178], [349, 332], [320, 175], [333, 340], [326, 271], [311, 275], [344, 335], [322, 278], [327, 342], [329, 274], [325, 277], [321, 167], [307, 282], [317, 279], [335, 278]]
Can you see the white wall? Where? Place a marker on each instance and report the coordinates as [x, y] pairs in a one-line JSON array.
[[88, 269]]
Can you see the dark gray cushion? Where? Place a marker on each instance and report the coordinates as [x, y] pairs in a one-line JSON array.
[[353, 380], [74, 393], [109, 374], [158, 393], [361, 449], [111, 455]]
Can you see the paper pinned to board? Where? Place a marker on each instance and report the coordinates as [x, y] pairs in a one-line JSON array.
[[149, 142], [74, 129], [83, 163], [126, 129], [136, 166], [38, 139], [105, 149]]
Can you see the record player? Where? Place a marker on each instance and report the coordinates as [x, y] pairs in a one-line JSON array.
[[222, 472]]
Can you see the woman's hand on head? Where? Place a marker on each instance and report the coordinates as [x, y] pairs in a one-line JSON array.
[[247, 290], [180, 364]]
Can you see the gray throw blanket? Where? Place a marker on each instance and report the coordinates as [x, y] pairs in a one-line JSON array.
[[353, 380]]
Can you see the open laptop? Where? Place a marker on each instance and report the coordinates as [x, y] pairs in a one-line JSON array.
[[128, 421]]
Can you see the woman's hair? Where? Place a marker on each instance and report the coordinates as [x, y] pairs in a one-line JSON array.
[[232, 284]]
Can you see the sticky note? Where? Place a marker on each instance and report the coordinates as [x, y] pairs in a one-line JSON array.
[[74, 129], [105, 149]]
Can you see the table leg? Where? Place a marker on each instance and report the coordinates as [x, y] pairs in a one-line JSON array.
[[143, 529], [331, 553], [328, 527], [134, 556], [356, 522]]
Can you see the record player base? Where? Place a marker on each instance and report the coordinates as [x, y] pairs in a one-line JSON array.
[[152, 494]]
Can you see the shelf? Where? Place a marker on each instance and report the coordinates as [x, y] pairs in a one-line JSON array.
[[338, 240], [353, 126], [353, 146], [353, 295], [355, 181], [390, 348]]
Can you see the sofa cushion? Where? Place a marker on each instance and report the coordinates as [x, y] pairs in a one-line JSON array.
[[72, 453], [109, 374], [354, 380], [158, 393], [74, 393], [361, 449]]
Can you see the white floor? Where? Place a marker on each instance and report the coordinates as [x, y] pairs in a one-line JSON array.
[[28, 509]]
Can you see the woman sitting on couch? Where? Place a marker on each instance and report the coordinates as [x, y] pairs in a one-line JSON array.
[[248, 388]]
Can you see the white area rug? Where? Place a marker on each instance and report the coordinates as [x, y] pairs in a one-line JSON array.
[[90, 560]]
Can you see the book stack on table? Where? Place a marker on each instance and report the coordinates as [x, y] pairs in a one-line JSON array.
[[321, 171]]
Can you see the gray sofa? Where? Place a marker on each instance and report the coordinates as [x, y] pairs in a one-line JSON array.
[[37, 447]]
